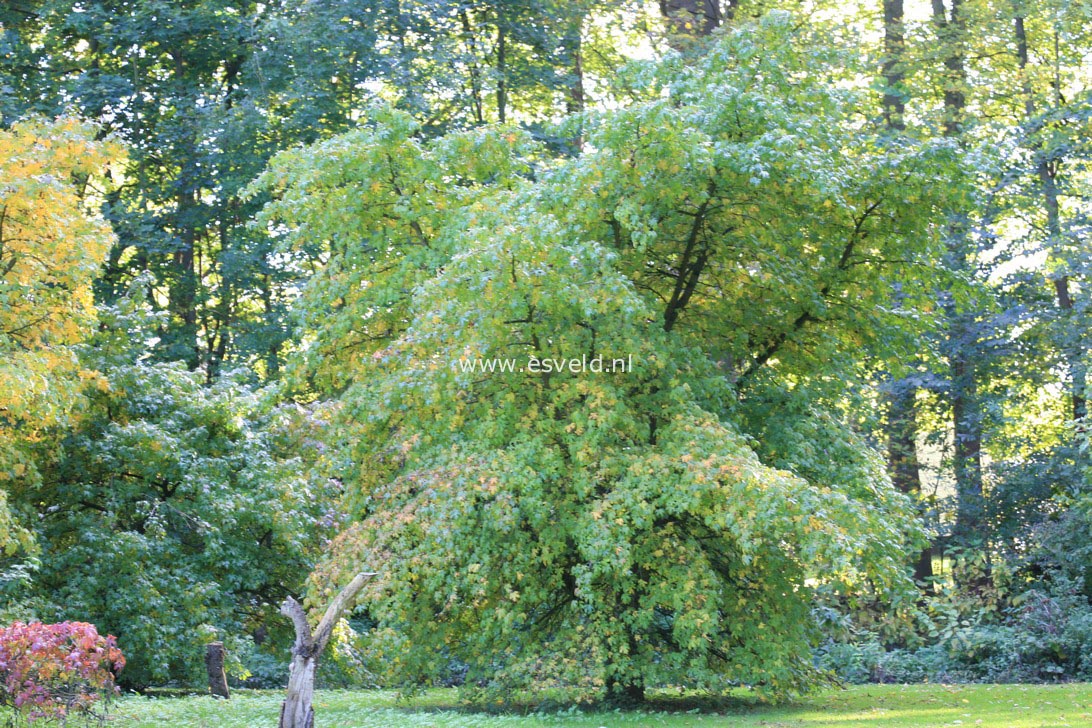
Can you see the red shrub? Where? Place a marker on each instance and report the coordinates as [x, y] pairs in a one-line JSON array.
[[53, 670]]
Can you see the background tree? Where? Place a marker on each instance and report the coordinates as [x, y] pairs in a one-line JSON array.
[[204, 92], [175, 512], [51, 244]]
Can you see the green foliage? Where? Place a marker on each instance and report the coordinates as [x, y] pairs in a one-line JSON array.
[[597, 533], [205, 92], [986, 625], [1045, 639], [174, 512], [794, 280]]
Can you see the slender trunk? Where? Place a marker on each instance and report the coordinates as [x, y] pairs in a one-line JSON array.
[[950, 32], [1074, 354], [966, 406], [403, 76], [1047, 170], [575, 102], [502, 86], [894, 104], [902, 458], [220, 337], [902, 424], [182, 293], [273, 352], [572, 42], [472, 65], [183, 289], [967, 421]]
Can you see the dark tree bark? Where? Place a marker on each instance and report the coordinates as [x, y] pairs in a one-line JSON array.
[[296, 711], [182, 293], [214, 664], [692, 18], [902, 457], [502, 70], [573, 45], [966, 405], [951, 29], [1047, 170], [475, 74], [894, 43], [901, 424]]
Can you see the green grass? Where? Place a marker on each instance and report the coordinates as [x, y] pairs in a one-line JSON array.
[[885, 706]]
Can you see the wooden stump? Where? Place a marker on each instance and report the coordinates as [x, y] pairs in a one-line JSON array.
[[214, 663]]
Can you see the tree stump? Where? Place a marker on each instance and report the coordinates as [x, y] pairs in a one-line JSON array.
[[214, 663], [296, 711]]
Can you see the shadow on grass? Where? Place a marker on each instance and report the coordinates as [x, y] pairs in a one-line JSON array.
[[658, 702]]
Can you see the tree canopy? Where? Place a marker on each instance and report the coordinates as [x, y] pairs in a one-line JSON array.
[[616, 529], [51, 247]]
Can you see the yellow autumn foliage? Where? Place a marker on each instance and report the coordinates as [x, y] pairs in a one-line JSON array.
[[51, 246]]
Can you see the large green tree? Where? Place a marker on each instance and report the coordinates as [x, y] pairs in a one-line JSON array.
[[735, 234]]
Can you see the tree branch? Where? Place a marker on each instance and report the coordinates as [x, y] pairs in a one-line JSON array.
[[292, 609], [337, 607]]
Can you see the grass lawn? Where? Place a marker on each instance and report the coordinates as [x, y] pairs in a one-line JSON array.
[[887, 706]]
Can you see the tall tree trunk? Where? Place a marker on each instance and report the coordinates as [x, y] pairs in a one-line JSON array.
[[502, 70], [894, 45], [901, 424], [183, 289], [573, 45], [182, 293], [575, 101], [297, 711], [902, 457], [473, 70], [966, 406], [1047, 170], [272, 353], [690, 19], [951, 34]]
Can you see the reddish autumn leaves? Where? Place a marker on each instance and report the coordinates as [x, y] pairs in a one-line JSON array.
[[55, 670]]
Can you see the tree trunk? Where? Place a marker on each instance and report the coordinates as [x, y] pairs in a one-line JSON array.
[[474, 72], [894, 104], [902, 458], [1047, 170], [690, 19], [572, 42], [966, 405], [502, 70], [902, 422], [296, 711], [214, 664]]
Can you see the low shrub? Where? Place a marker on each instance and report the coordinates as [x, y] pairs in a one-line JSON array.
[[52, 671], [851, 662], [1038, 636]]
